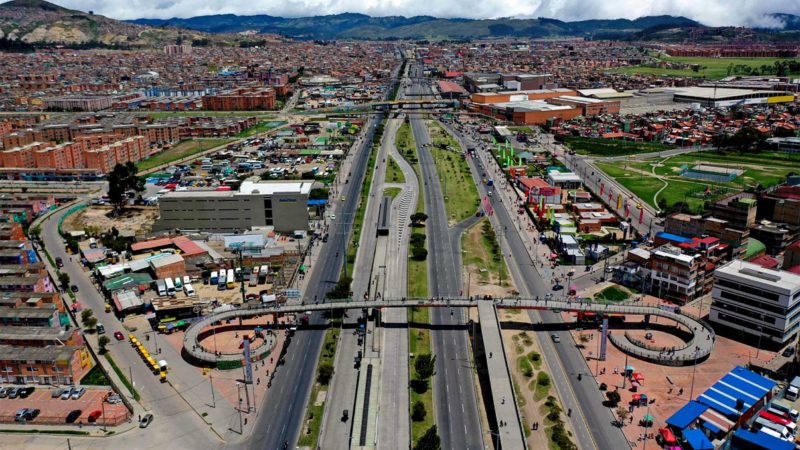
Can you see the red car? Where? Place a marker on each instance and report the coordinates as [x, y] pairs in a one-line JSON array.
[[95, 415], [119, 336]]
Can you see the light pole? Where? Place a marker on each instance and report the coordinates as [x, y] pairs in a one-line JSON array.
[[239, 408], [694, 369]]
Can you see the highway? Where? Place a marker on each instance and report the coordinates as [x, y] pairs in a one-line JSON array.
[[454, 395], [591, 420]]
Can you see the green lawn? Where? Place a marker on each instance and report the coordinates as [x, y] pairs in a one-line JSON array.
[[260, 127], [179, 151], [95, 377], [611, 147], [407, 147], [712, 68], [612, 294], [314, 412], [122, 377], [461, 198], [419, 342], [391, 192], [393, 172], [358, 220]]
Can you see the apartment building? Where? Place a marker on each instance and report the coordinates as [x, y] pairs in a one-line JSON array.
[[104, 159], [53, 364], [242, 99], [739, 210], [77, 103], [64, 155], [676, 276], [762, 303], [689, 226]]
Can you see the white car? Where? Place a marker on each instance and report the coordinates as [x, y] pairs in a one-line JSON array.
[[332, 216]]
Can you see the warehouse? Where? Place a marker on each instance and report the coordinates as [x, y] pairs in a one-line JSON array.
[[282, 205], [720, 97]]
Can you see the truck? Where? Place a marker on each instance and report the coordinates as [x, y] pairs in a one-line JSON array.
[[223, 280], [262, 274], [784, 406], [161, 287]]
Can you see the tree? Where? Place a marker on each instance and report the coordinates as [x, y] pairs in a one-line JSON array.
[[613, 398], [425, 365], [90, 322], [430, 440], [623, 414], [35, 233], [419, 253], [418, 218], [103, 341], [86, 314], [121, 180], [341, 290], [325, 373], [63, 280], [418, 412]]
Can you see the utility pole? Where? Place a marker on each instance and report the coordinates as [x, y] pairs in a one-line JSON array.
[[239, 392], [213, 398]]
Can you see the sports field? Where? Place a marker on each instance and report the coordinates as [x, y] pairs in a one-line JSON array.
[[711, 68], [765, 169]]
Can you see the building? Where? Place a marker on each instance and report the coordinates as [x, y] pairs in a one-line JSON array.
[[676, 276], [739, 210], [282, 205], [756, 301], [53, 364], [78, 103], [178, 49], [489, 82], [781, 205], [689, 226], [241, 99], [776, 237], [720, 97]]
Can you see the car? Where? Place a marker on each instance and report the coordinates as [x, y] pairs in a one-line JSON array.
[[13, 392], [74, 288], [26, 391], [147, 419], [788, 352], [20, 415], [332, 216], [119, 336], [32, 414], [344, 198], [114, 399], [100, 328], [3, 392], [78, 392], [67, 392], [555, 338], [56, 393], [73, 415], [94, 416]]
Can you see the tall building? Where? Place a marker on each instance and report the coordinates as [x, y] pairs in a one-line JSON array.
[[676, 276], [757, 301]]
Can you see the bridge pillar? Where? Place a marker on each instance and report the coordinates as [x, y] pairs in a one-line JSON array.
[[275, 318], [603, 339]]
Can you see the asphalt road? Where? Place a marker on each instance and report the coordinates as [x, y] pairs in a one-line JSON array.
[[591, 420], [291, 387], [454, 395], [175, 421]]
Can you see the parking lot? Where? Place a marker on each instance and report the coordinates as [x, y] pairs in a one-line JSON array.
[[54, 411]]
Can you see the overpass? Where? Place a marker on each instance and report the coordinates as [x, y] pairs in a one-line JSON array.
[[697, 348]]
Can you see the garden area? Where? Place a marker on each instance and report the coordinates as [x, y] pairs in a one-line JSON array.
[[610, 147]]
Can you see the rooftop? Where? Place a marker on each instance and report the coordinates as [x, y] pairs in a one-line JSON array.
[[757, 274]]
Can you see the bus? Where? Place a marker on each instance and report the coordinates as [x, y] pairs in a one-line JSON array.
[[162, 287], [214, 278], [222, 280], [170, 286], [231, 279]]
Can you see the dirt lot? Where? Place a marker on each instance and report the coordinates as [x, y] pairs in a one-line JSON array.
[[139, 219], [55, 410]]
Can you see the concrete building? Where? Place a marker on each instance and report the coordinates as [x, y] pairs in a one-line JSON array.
[[757, 301], [721, 97], [739, 210], [676, 276], [282, 205], [54, 364], [242, 99]]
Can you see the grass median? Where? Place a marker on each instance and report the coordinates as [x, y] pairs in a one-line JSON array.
[[361, 210], [482, 255], [182, 150], [419, 343], [461, 198], [315, 409], [123, 378], [393, 172]]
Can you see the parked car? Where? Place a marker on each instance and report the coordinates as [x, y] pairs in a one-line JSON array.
[[74, 288], [94, 416], [146, 420], [26, 391], [13, 392], [73, 415], [101, 329], [3, 392], [113, 398], [119, 336], [67, 392], [78, 392], [56, 392], [25, 414]]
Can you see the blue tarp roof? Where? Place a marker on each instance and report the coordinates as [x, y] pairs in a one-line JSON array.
[[739, 383], [697, 440], [711, 427], [317, 202], [686, 415], [748, 440], [673, 237]]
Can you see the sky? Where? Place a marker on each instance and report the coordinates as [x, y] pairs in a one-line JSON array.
[[708, 12]]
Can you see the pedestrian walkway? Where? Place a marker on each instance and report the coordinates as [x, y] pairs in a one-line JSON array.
[[510, 431]]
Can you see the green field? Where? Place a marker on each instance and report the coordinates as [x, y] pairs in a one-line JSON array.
[[314, 411], [391, 192], [461, 198], [764, 169], [270, 115], [179, 151], [611, 147], [260, 127], [711, 68], [481, 250]]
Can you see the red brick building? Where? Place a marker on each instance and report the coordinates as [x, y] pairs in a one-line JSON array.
[[242, 99]]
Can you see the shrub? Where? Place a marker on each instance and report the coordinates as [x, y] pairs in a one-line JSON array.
[[418, 412], [543, 379], [325, 373]]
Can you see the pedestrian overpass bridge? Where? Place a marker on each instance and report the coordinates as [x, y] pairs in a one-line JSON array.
[[696, 348]]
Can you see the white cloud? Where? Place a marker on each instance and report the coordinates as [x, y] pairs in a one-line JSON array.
[[709, 12]]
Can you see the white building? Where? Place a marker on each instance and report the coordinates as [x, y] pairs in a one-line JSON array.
[[757, 301]]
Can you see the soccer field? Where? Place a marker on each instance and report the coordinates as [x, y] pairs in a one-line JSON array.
[[711, 68]]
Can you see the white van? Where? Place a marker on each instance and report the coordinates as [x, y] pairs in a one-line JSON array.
[[188, 290], [170, 286]]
